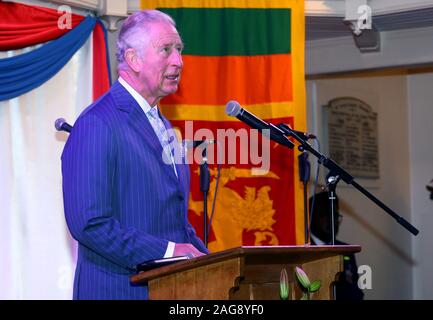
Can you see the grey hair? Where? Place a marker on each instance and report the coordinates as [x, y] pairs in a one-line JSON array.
[[135, 29]]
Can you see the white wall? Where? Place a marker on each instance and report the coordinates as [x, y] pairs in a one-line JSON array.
[[420, 120], [398, 48], [386, 246]]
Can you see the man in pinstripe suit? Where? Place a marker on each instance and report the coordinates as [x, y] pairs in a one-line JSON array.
[[125, 198]]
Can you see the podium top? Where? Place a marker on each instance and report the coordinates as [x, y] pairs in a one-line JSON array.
[[253, 254]]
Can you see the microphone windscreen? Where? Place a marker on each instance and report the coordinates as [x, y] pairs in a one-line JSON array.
[[58, 124], [233, 108]]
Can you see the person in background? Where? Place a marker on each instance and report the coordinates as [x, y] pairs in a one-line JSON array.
[[347, 284]]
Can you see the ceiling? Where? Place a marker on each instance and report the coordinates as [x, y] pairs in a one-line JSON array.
[[332, 27], [324, 18]]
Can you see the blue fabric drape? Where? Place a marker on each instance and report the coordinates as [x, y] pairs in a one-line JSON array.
[[28, 71]]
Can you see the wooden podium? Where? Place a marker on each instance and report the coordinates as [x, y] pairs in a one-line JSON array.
[[246, 273]]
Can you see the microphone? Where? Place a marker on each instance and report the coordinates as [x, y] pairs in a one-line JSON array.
[[62, 125], [303, 135], [234, 109], [190, 144]]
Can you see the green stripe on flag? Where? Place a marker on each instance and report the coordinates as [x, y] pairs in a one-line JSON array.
[[229, 31]]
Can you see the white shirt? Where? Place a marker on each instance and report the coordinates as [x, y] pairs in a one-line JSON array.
[[317, 241]]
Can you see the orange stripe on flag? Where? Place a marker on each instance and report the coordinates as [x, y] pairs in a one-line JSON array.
[[215, 80]]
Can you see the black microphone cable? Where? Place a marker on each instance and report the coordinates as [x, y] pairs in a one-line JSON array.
[[216, 187], [316, 181]]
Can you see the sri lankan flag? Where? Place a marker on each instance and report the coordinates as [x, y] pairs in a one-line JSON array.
[[251, 51]]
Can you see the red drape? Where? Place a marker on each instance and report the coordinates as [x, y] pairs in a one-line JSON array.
[[23, 25], [101, 78]]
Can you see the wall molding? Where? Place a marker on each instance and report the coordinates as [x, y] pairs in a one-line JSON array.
[[400, 48], [336, 8], [324, 8], [115, 8], [319, 8], [388, 7], [82, 4]]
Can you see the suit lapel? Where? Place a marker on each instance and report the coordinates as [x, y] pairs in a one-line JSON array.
[[180, 166], [140, 123], [136, 117]]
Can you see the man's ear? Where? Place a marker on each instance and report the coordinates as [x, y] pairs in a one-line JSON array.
[[132, 59]]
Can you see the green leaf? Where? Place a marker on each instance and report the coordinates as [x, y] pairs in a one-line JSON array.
[[284, 285], [302, 278], [315, 286]]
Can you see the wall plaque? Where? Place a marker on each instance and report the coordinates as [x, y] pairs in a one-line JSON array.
[[351, 132]]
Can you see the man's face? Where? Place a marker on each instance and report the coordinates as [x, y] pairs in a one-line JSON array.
[[161, 62]]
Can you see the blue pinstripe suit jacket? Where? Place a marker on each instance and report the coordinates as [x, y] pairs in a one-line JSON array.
[[122, 203]]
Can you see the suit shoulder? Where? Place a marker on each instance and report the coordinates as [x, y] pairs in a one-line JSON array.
[[94, 122], [103, 109]]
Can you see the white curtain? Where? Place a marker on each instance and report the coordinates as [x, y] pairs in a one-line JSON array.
[[37, 253]]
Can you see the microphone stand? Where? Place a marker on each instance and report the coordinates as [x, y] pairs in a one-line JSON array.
[[332, 186], [304, 176], [204, 187], [337, 173]]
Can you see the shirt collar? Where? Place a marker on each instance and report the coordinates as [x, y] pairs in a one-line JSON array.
[[137, 97]]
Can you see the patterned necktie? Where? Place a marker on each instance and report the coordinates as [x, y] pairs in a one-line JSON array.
[[161, 132]]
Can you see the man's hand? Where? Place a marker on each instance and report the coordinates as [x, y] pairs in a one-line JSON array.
[[186, 249]]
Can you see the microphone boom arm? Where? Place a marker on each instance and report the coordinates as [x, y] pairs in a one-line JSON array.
[[337, 171]]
